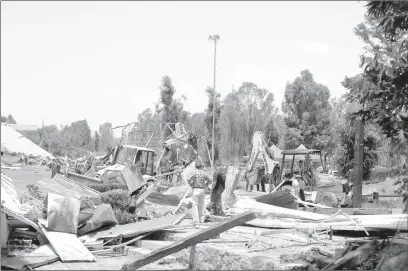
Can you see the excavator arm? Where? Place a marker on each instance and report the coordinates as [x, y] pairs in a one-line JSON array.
[[259, 146]]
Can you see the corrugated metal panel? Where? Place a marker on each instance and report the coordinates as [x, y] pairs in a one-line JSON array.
[[13, 141], [234, 176]]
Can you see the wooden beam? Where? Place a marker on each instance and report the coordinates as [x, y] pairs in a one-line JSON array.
[[191, 240], [192, 257], [293, 164], [353, 259], [358, 166]]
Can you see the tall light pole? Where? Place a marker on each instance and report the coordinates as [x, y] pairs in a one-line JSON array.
[[214, 38]]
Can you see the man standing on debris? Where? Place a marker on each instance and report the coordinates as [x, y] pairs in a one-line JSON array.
[[198, 181], [55, 167], [219, 177]]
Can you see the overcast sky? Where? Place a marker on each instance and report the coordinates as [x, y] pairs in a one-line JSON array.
[[103, 61]]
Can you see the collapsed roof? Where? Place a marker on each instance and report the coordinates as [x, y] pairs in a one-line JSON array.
[[14, 142]]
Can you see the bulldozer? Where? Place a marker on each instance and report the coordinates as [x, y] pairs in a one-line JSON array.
[[270, 172]]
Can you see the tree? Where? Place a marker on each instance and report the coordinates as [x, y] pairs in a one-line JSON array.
[[344, 155], [209, 120], [106, 136], [196, 123], [385, 68], [97, 140], [171, 110], [229, 126], [307, 108], [245, 111], [9, 119], [49, 138]]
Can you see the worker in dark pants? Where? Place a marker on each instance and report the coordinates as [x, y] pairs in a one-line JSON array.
[[55, 168], [219, 177]]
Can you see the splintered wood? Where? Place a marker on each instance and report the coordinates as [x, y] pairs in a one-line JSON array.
[[190, 241]]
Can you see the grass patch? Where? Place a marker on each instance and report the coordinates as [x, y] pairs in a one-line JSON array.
[[209, 257]]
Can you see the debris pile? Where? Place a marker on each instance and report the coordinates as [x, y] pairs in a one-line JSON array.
[[64, 221]]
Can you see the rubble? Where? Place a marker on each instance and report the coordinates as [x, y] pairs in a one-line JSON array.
[[69, 222]]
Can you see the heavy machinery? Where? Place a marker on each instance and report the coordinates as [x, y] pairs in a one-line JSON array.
[[129, 155], [181, 139], [268, 173], [305, 181], [144, 158]]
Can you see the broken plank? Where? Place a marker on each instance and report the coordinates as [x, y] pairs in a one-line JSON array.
[[133, 229], [354, 258], [163, 199], [190, 241], [67, 246], [147, 192], [19, 217], [269, 210], [349, 211], [42, 256], [192, 257]]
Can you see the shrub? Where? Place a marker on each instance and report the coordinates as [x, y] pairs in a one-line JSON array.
[[107, 187], [344, 153], [118, 199], [124, 217]]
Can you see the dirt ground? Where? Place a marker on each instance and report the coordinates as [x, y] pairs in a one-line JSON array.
[[26, 175]]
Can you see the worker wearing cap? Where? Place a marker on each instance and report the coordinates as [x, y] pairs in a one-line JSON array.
[[55, 167], [198, 181], [219, 178]]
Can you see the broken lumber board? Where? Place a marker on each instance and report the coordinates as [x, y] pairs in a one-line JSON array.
[[67, 246], [233, 177], [250, 204], [41, 256], [69, 188], [349, 211], [279, 198], [190, 241], [20, 217], [354, 258], [82, 178], [138, 251], [163, 199], [136, 228], [369, 222], [133, 179], [147, 192]]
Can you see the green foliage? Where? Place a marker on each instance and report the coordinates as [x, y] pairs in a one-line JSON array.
[[209, 120], [97, 140], [124, 217], [344, 154], [106, 136], [307, 108], [107, 187], [245, 111], [171, 110], [385, 68], [9, 119], [60, 141], [293, 138], [117, 198]]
